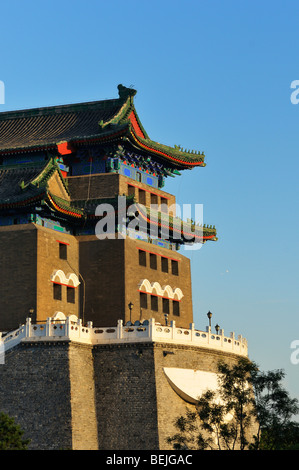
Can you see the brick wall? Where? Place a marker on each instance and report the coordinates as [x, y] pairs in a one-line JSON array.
[[48, 261], [126, 397], [107, 185], [102, 268], [49, 389], [35, 390], [136, 405], [29, 256], [108, 397], [135, 273], [148, 196], [112, 274], [18, 262], [104, 185], [169, 404], [84, 420]]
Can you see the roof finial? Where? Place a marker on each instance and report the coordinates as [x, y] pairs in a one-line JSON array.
[[125, 92]]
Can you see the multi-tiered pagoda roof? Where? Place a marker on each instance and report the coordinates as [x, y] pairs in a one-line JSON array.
[[38, 145], [74, 125]]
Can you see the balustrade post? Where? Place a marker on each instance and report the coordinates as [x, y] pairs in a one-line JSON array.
[[48, 327], [119, 329], [172, 324], [232, 335], [192, 330], [28, 327], [151, 331], [208, 330], [68, 326], [221, 334], [79, 323]]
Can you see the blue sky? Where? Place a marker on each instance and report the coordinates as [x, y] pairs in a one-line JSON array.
[[211, 75]]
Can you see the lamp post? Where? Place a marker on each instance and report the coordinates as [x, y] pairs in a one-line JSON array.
[[217, 327], [130, 308], [209, 315]]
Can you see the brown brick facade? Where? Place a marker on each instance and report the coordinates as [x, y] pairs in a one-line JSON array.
[[109, 185], [159, 262], [112, 276], [51, 257], [18, 274], [102, 268], [110, 273], [29, 256]]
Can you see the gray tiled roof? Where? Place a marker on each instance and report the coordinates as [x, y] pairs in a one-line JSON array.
[[11, 180], [48, 126]]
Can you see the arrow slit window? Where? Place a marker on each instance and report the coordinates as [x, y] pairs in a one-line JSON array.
[[62, 251]]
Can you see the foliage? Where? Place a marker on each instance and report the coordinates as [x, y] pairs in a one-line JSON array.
[[11, 434], [274, 409], [249, 410]]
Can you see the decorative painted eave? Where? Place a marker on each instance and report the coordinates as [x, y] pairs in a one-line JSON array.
[[64, 207], [201, 234], [176, 228], [43, 128], [62, 128], [41, 180], [127, 112], [15, 187], [28, 149], [181, 160], [34, 191], [139, 138], [24, 202], [23, 185]]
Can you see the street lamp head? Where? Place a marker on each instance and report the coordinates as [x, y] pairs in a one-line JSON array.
[[217, 327], [209, 315], [130, 305]]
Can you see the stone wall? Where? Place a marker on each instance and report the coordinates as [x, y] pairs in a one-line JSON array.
[[82, 387], [136, 405], [169, 404], [125, 387], [68, 395], [48, 387], [35, 390]]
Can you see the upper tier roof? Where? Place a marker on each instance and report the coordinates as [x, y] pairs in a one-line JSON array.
[[77, 124]]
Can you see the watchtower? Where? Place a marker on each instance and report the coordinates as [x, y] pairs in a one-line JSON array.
[[86, 227]]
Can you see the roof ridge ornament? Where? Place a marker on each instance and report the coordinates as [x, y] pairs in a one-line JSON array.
[[125, 93]]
